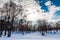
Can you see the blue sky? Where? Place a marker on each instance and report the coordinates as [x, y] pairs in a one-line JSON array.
[[45, 8], [55, 2], [57, 14]]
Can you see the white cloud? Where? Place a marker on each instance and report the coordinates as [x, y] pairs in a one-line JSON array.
[[52, 9], [34, 12], [48, 3]]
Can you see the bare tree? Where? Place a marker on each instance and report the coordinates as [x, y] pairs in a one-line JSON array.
[[11, 10], [42, 26], [57, 26]]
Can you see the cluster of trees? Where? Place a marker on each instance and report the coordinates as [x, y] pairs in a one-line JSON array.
[[8, 14], [44, 26], [8, 17]]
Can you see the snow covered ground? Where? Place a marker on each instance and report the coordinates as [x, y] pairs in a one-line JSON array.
[[32, 36]]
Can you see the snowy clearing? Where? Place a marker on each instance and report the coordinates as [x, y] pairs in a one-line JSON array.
[[32, 36]]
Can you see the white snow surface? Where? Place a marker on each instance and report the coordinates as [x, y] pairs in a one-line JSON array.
[[32, 36]]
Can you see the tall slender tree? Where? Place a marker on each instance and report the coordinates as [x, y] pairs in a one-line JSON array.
[[12, 10]]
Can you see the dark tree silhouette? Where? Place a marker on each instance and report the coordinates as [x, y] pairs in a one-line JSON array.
[[11, 11], [42, 26]]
